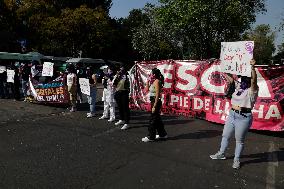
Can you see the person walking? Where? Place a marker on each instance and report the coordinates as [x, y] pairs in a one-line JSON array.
[[155, 85], [122, 84], [108, 97], [240, 116], [93, 92], [72, 86]]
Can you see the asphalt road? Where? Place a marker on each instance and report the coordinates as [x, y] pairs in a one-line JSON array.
[[49, 147]]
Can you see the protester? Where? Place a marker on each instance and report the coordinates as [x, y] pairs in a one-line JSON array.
[[3, 84], [154, 85], [72, 86], [35, 73], [108, 97], [93, 91], [80, 74], [240, 117], [13, 85], [25, 72], [122, 84]]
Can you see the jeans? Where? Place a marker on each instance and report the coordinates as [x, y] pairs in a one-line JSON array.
[[156, 123], [240, 123], [92, 99], [25, 88]]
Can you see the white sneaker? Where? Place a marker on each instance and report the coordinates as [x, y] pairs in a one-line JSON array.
[[90, 115], [111, 120], [103, 117], [218, 156], [146, 139], [125, 126], [236, 164], [120, 122], [164, 137]]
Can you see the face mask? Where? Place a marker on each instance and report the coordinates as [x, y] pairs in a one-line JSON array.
[[244, 85]]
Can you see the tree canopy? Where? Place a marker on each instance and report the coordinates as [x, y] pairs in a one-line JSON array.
[[174, 29], [263, 39]]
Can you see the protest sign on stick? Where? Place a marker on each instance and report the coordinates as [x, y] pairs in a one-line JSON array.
[[47, 69], [235, 57], [2, 69], [10, 76], [85, 86]]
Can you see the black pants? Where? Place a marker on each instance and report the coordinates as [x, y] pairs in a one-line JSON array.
[[15, 90], [122, 100], [156, 123]]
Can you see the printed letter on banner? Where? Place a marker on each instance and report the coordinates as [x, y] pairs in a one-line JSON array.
[[235, 57]]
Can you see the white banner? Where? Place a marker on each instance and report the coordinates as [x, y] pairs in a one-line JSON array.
[[2, 69], [235, 57], [85, 86], [47, 69], [10, 76]]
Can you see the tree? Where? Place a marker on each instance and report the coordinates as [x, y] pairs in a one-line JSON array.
[[77, 29], [279, 57], [263, 39], [7, 23], [205, 24], [150, 38], [62, 4]]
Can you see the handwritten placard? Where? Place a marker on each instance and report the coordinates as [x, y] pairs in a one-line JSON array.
[[235, 57], [85, 86], [10, 76], [47, 69], [2, 69]]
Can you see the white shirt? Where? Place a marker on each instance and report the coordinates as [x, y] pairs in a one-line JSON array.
[[246, 99], [70, 79]]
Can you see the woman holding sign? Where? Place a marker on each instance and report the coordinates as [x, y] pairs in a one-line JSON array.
[[93, 92], [240, 117]]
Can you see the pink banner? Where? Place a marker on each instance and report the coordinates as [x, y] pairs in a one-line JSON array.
[[198, 89]]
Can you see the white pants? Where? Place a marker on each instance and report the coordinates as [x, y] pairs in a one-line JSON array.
[[109, 108], [109, 105]]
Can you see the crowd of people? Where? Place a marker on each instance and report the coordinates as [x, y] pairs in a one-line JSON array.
[[116, 92], [17, 87]]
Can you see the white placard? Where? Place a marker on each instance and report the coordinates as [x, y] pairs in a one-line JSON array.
[[235, 57], [10, 76], [85, 86], [2, 69], [47, 69]]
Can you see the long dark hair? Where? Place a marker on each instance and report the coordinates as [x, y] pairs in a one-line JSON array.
[[158, 75]]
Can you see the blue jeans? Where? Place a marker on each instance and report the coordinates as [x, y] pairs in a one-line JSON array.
[[240, 123], [92, 99], [25, 87]]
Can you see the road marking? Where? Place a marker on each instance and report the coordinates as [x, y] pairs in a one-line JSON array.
[[272, 164]]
